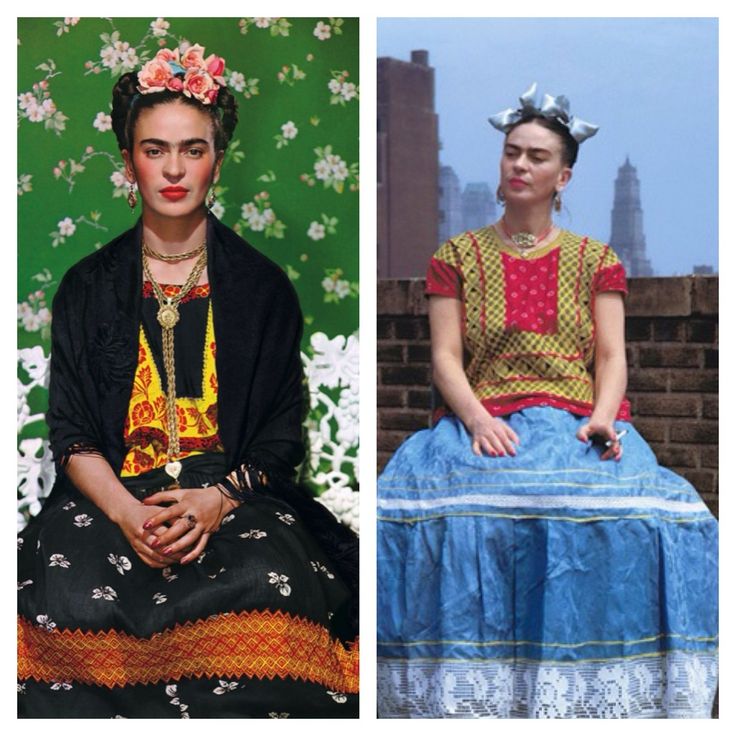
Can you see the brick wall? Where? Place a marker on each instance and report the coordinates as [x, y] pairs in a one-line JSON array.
[[672, 350]]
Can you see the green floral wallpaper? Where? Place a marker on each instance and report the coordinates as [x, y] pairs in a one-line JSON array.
[[289, 186]]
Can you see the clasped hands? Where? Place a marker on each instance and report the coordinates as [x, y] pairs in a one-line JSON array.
[[174, 526]]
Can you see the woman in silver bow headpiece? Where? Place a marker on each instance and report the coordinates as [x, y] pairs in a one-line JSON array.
[[528, 567]]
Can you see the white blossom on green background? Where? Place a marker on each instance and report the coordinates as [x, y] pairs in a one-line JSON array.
[[120, 184], [37, 106], [34, 314], [121, 56], [24, 184], [259, 216], [318, 230], [288, 133], [337, 288], [102, 122], [240, 83], [332, 171], [160, 27], [277, 26], [67, 227], [342, 91], [64, 26], [118, 56], [322, 31]]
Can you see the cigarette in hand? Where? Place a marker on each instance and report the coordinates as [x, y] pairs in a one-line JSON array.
[[619, 435]]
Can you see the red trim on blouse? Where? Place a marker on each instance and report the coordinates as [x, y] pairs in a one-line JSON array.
[[509, 404], [443, 280], [198, 292], [482, 279], [610, 278]]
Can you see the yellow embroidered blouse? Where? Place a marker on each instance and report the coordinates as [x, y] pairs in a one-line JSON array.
[[528, 321], [145, 434]]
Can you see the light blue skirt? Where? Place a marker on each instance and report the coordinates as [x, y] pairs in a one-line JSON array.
[[546, 585]]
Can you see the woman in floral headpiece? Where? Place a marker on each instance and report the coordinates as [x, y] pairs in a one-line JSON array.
[[534, 561], [177, 570]]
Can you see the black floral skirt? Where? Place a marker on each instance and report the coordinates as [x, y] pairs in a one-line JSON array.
[[255, 628]]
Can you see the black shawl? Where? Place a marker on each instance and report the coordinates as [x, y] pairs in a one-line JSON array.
[[258, 328]]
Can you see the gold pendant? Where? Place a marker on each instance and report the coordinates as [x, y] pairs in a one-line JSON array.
[[523, 240], [173, 469], [168, 315]]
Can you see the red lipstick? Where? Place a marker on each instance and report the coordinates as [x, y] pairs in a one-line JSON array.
[[174, 193], [516, 183]]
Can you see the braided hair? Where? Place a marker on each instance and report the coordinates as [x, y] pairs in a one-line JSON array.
[[569, 144]]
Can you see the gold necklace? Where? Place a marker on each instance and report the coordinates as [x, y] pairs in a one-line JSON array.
[[168, 316], [524, 241], [176, 257]]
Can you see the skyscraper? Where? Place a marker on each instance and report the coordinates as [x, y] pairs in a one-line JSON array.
[[408, 166], [479, 208], [451, 204], [627, 229]]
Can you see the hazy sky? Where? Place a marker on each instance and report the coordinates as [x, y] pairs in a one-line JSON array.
[[650, 83]]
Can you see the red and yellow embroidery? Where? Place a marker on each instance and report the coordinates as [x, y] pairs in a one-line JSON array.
[[252, 644], [144, 431], [528, 323]]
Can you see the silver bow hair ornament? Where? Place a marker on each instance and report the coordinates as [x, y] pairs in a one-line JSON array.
[[555, 108]]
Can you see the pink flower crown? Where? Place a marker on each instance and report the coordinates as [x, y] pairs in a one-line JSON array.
[[189, 73]]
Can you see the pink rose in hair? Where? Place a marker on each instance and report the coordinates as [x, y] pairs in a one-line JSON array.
[[215, 65], [154, 76], [168, 55], [197, 84], [193, 57], [212, 96], [175, 84]]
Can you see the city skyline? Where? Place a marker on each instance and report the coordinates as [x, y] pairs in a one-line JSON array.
[[650, 83]]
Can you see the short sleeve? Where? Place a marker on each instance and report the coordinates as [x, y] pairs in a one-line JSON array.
[[442, 280], [444, 277], [611, 274]]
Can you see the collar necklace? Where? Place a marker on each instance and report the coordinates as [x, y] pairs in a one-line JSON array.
[[525, 241], [168, 316]]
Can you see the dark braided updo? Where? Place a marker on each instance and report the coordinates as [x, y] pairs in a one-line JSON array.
[[569, 144], [128, 102]]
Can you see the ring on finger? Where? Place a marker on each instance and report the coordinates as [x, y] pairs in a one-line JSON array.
[[191, 520]]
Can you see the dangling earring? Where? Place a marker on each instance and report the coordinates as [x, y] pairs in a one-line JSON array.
[[132, 198], [500, 199], [211, 199], [557, 202]]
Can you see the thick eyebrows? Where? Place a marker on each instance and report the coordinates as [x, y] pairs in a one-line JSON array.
[[181, 144], [536, 151]]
